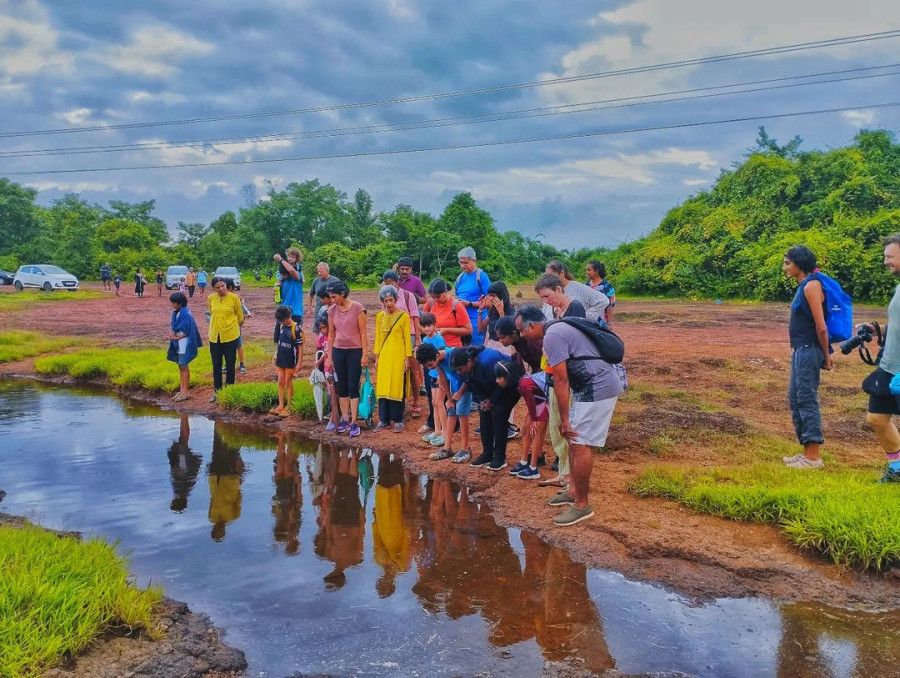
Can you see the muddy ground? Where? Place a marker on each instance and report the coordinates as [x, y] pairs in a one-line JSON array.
[[707, 387]]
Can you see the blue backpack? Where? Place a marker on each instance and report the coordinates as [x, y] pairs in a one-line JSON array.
[[838, 308]]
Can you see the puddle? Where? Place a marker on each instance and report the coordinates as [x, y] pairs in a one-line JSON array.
[[333, 561]]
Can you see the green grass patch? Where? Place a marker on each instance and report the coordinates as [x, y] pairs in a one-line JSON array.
[[57, 595], [843, 514], [262, 396], [18, 345], [147, 369], [13, 301]]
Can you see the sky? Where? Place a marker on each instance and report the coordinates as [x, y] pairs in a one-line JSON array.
[[66, 66]]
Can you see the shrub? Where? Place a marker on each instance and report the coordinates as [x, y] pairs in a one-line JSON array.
[[261, 397]]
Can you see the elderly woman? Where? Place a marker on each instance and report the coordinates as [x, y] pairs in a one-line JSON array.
[[594, 301], [407, 301], [225, 319], [347, 352], [393, 350], [470, 288]]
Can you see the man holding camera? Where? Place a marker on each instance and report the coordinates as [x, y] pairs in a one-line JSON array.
[[883, 403]]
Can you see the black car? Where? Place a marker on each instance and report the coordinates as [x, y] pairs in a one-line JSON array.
[[6, 278]]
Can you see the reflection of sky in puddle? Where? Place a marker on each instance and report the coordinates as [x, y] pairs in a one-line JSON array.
[[321, 562]]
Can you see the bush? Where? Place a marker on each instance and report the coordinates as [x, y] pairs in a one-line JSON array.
[[261, 397]]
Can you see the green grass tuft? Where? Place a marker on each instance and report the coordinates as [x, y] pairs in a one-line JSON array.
[[13, 301], [844, 515], [57, 595], [262, 396], [18, 345]]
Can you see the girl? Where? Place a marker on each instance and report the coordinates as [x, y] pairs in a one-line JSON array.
[[393, 349], [159, 283], [511, 375], [184, 340], [287, 349], [321, 352], [139, 283], [498, 305], [348, 343], [438, 413]]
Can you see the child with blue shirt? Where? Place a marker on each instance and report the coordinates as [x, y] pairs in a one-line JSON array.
[[437, 413]]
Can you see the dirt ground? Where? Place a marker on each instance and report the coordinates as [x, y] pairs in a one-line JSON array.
[[707, 386]]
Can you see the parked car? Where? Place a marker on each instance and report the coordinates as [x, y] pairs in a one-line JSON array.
[[6, 278], [45, 276], [229, 272], [175, 275]]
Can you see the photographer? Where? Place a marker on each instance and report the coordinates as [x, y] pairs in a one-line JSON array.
[[883, 403], [809, 355]]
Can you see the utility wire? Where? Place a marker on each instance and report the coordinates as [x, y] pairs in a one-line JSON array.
[[500, 116], [817, 44], [428, 149]]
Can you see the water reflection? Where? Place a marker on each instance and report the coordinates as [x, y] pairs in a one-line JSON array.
[[287, 503], [184, 466], [225, 474]]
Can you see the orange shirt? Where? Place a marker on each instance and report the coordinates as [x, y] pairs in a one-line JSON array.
[[445, 316]]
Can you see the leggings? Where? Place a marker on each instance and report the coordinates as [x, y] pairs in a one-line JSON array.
[[495, 425], [390, 411], [348, 368], [217, 351]]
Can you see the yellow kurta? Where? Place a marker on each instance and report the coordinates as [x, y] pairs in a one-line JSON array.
[[392, 346], [390, 536], [225, 317]]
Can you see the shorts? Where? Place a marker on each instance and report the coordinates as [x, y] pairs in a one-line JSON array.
[[881, 400], [463, 408], [591, 421], [183, 360]]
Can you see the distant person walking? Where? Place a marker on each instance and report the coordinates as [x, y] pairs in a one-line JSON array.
[[321, 282], [594, 302], [117, 281], [184, 342], [139, 282], [159, 283], [201, 281], [596, 280], [225, 320], [393, 350], [190, 281], [408, 281], [105, 277], [470, 288], [347, 353]]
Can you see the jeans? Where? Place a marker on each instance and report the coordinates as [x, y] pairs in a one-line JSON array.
[[217, 351], [390, 411], [803, 393], [495, 425]]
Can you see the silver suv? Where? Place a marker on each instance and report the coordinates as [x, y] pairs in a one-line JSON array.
[[231, 273], [175, 275]]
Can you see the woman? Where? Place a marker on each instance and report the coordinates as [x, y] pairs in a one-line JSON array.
[[557, 304], [393, 351], [159, 283], [347, 352], [451, 319], [225, 320], [139, 283], [407, 301], [184, 340], [594, 301], [596, 280], [498, 305], [470, 288]]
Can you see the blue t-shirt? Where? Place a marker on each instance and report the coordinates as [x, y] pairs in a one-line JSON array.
[[292, 293], [471, 287], [454, 377], [438, 342], [201, 278]]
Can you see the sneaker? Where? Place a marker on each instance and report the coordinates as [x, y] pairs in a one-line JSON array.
[[224, 369], [461, 457], [379, 427], [422, 391], [555, 465], [573, 515], [212, 398], [561, 498], [520, 466], [497, 466], [437, 441], [478, 430], [399, 427], [424, 428], [790, 460], [483, 460], [890, 476], [803, 462], [529, 473], [440, 455], [354, 430], [242, 369], [512, 432], [428, 437], [330, 426], [343, 427]]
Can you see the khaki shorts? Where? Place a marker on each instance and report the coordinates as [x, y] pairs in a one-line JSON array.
[[591, 421]]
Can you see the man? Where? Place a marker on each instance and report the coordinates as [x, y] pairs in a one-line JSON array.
[[408, 281], [596, 280], [586, 389], [883, 404], [470, 289], [292, 282], [106, 277], [190, 282], [321, 282]]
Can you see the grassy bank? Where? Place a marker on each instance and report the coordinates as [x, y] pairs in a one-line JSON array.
[[20, 345], [845, 515], [57, 595], [261, 397], [13, 301]]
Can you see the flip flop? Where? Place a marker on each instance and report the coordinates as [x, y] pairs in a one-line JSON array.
[[551, 482], [275, 410], [284, 413]]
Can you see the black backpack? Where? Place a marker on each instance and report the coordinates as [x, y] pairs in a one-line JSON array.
[[610, 347]]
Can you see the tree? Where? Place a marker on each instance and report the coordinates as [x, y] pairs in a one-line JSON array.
[[19, 223], [192, 234], [74, 222], [116, 234], [142, 213], [767, 144], [363, 229]]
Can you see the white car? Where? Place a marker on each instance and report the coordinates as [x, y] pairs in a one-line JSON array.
[[229, 272], [46, 277], [175, 275]]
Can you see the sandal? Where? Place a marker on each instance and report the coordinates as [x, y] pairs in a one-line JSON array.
[[284, 413], [276, 410], [551, 482]]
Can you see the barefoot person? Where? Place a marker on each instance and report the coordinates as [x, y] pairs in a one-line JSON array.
[[586, 389], [184, 340]]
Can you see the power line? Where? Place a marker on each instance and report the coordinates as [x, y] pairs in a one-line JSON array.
[[502, 116], [817, 44], [428, 149]]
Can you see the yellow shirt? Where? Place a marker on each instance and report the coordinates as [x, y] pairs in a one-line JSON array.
[[226, 317]]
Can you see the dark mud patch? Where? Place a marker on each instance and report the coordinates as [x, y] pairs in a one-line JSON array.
[[686, 419], [713, 362], [850, 429], [638, 316], [845, 391]]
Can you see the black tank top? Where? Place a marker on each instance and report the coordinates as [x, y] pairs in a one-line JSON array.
[[802, 327]]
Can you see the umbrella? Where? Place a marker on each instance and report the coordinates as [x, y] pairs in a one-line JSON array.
[[317, 379]]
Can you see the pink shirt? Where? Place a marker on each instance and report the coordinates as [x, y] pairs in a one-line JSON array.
[[406, 301], [346, 330]]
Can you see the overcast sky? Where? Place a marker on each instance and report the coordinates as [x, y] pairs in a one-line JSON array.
[[92, 63]]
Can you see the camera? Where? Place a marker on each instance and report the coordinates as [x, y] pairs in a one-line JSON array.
[[863, 335]]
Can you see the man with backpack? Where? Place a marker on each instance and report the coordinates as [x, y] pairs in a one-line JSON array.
[[810, 353], [582, 356]]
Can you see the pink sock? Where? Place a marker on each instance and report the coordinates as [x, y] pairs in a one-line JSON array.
[[894, 457]]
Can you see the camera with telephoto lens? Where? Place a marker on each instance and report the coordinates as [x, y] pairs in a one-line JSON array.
[[863, 336]]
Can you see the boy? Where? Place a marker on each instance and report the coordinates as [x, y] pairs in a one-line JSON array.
[[437, 412]]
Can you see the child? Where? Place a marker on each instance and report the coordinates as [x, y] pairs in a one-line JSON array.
[[240, 350], [321, 352], [287, 349], [531, 387], [437, 413], [117, 281]]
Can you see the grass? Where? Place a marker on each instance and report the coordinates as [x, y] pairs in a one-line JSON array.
[[19, 345], [57, 595], [843, 514], [262, 396], [18, 300]]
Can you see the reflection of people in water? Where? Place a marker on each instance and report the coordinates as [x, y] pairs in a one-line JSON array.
[[288, 500], [341, 518], [389, 532], [224, 473], [184, 467]]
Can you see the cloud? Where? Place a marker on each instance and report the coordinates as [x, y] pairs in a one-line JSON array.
[[695, 182], [170, 98], [859, 118], [28, 40], [215, 153], [153, 52], [75, 116]]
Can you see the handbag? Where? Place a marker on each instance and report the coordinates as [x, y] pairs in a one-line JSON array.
[[366, 398]]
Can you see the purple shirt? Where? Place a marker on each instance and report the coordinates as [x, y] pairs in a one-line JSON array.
[[414, 285]]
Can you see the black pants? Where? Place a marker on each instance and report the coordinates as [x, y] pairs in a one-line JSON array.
[[495, 425], [219, 350], [348, 369], [191, 291], [429, 384], [390, 411]]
